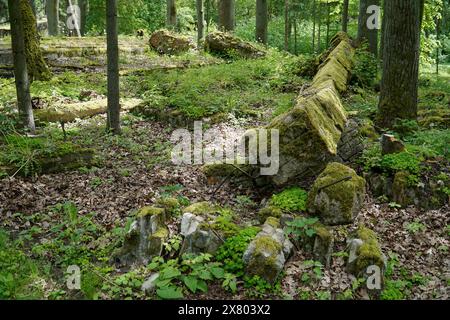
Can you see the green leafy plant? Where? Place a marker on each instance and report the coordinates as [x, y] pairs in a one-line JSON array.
[[232, 250], [293, 199], [191, 272], [415, 227], [301, 227]]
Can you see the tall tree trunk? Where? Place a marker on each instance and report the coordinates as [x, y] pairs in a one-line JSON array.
[[113, 117], [226, 15], [286, 25], [261, 20], [208, 16], [383, 24], [36, 66], [345, 15], [200, 21], [53, 17], [401, 51], [171, 19], [295, 35], [364, 32], [328, 22], [83, 15], [314, 27], [437, 47], [20, 66], [319, 27]]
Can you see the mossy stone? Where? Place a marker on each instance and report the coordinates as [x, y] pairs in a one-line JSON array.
[[323, 244], [265, 258], [369, 253], [170, 204], [269, 211], [337, 203], [202, 208], [150, 211], [272, 221], [400, 192]]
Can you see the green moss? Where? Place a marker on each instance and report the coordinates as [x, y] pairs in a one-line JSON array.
[[340, 192], [201, 208], [272, 221], [170, 204], [36, 66], [370, 252], [400, 187], [150, 211], [269, 211], [224, 169], [33, 156], [267, 244], [292, 199], [160, 233], [322, 232]]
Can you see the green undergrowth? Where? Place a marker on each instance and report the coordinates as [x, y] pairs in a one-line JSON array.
[[232, 251], [242, 87], [290, 200], [28, 156]]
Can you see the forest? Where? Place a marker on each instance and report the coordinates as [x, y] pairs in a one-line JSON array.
[[224, 150]]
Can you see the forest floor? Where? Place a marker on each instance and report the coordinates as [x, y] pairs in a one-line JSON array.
[[50, 221]]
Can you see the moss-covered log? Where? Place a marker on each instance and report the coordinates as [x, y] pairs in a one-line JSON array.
[[70, 112], [227, 45]]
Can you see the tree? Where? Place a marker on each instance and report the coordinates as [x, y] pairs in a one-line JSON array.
[[345, 15], [83, 15], [53, 17], [20, 66], [286, 25], [261, 20], [200, 20], [113, 116], [366, 31], [401, 50], [36, 66], [226, 15], [171, 20]]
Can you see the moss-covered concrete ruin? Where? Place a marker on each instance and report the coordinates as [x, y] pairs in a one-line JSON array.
[[310, 132]]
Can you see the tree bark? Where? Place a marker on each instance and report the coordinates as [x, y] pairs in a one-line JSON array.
[[328, 22], [200, 21], [20, 66], [314, 27], [319, 28], [53, 17], [171, 19], [261, 20], [226, 15], [401, 51], [364, 33], [113, 116], [286, 25], [83, 15], [345, 15], [36, 66]]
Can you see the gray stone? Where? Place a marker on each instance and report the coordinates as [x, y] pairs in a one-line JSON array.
[[267, 253], [149, 285], [198, 237], [337, 195], [190, 223], [145, 238], [364, 251], [389, 144]]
